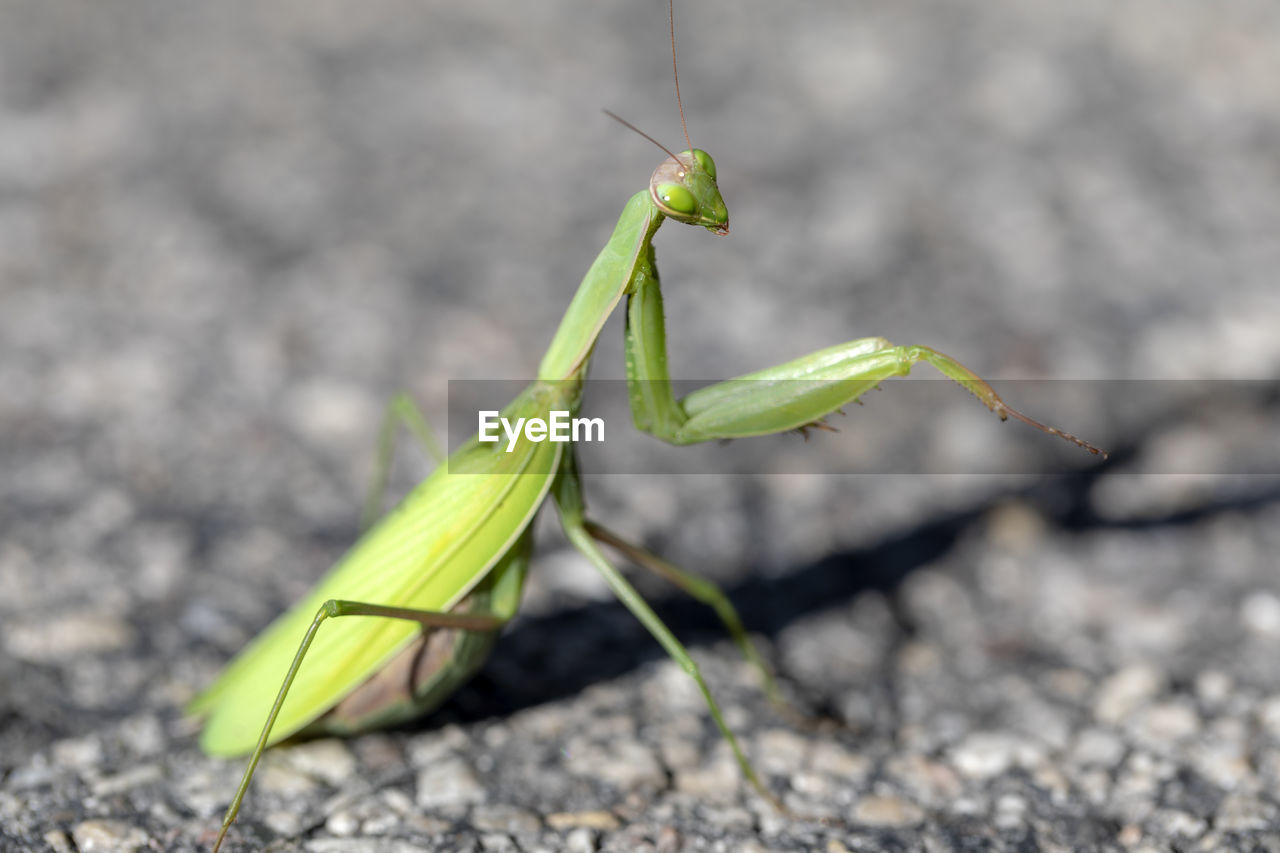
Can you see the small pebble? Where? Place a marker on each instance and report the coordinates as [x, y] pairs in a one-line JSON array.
[[1010, 812], [927, 781], [1098, 747], [1269, 716], [284, 821], [886, 810], [343, 824], [1123, 692], [61, 637], [1016, 527], [79, 754], [813, 785], [280, 778], [449, 782], [143, 734], [780, 751], [581, 840], [498, 844], [1129, 835], [426, 749], [1161, 726], [59, 841], [835, 760], [108, 836], [1260, 613], [719, 777], [134, 777], [625, 764], [329, 759], [1171, 823], [506, 819], [1213, 687], [986, 754]]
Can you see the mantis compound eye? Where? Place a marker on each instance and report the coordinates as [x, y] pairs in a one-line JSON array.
[[704, 160], [674, 198]]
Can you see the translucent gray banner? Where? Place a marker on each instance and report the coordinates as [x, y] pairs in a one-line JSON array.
[[911, 426]]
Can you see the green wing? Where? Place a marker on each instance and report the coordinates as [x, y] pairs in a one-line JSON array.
[[426, 554]]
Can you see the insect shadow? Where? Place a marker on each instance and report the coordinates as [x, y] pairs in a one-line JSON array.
[[530, 666], [539, 659]]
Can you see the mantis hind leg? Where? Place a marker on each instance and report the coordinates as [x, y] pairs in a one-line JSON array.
[[496, 599], [704, 591], [400, 410], [568, 496], [332, 609]]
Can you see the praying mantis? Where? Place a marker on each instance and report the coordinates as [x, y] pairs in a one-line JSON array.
[[434, 580]]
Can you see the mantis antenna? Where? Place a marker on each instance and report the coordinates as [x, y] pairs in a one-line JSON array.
[[675, 74], [675, 71], [622, 121]]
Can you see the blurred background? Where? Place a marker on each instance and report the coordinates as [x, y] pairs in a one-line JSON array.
[[230, 232]]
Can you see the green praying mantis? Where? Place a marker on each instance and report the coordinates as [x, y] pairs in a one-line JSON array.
[[434, 581]]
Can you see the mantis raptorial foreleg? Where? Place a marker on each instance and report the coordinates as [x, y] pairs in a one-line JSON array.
[[788, 396], [400, 410]]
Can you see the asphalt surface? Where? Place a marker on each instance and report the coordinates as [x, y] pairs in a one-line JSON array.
[[229, 233]]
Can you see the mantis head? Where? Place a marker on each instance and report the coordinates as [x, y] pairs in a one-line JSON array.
[[684, 188]]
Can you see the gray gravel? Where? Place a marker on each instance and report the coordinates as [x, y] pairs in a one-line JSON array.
[[229, 232]]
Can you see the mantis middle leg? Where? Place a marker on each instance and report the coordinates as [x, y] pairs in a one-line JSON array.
[[703, 590], [400, 410], [567, 491]]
